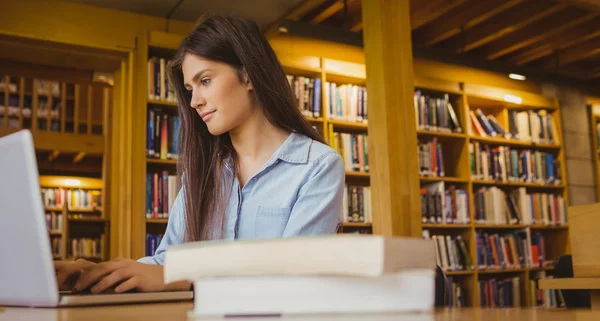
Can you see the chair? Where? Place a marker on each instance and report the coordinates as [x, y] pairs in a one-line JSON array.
[[573, 298]]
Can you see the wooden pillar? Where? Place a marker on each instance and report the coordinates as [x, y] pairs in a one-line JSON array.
[[392, 127]]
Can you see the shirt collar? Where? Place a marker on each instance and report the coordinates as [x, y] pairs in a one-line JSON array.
[[295, 149]]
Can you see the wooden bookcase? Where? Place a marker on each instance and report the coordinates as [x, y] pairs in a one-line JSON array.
[[82, 224], [457, 167], [594, 114], [160, 44]]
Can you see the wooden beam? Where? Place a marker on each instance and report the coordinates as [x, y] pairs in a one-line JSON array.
[[355, 22], [564, 39], [356, 27], [572, 54], [78, 157], [432, 10], [463, 17], [592, 5], [53, 155], [328, 12], [537, 32], [503, 24], [390, 84], [303, 9]]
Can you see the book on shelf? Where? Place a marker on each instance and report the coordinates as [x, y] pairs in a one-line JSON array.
[[543, 298], [526, 126], [158, 84], [346, 102], [441, 205], [500, 293], [435, 113], [152, 243], [431, 158], [354, 149], [161, 191], [357, 204], [275, 272], [162, 134], [452, 253], [307, 92], [598, 134], [507, 164], [518, 249], [86, 247], [495, 206], [80, 199], [53, 197], [455, 293], [54, 221]]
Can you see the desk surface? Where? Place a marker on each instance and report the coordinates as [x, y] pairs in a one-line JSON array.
[[178, 311]]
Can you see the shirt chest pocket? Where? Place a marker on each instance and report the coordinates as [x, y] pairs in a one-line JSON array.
[[271, 221]]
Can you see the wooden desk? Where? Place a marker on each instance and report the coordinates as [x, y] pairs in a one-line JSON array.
[[592, 284], [178, 312]]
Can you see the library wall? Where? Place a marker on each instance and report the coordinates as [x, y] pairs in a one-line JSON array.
[[578, 145]]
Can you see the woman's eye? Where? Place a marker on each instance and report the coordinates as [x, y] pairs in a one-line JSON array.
[[205, 81]]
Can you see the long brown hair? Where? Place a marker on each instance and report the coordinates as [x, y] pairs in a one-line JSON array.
[[240, 44]]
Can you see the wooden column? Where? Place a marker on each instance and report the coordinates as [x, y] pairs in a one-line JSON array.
[[392, 127]]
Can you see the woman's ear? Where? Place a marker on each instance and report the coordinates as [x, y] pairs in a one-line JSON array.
[[247, 81]]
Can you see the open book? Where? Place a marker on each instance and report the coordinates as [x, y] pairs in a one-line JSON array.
[[323, 274]]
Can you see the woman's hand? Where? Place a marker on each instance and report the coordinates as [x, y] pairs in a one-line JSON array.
[[67, 272], [125, 275]]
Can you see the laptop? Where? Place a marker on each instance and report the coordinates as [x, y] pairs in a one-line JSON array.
[[27, 272]]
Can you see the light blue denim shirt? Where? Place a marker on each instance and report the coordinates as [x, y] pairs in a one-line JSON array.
[[298, 192]]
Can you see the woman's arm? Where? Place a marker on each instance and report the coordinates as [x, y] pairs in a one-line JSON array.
[[173, 234], [318, 208]]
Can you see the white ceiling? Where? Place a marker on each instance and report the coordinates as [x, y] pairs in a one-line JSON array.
[[263, 12]]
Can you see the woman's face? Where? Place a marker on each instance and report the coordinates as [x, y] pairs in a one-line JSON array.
[[220, 98]]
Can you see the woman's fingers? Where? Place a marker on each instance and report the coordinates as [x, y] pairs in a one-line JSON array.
[[110, 280], [130, 284], [95, 273]]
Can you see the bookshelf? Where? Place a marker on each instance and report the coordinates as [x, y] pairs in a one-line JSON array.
[[455, 152], [77, 224], [594, 114], [328, 124], [67, 115]]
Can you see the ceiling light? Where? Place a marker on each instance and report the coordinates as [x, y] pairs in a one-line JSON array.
[[516, 77]]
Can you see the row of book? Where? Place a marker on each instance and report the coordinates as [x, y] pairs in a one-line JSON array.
[[357, 204], [506, 164], [346, 102], [162, 133], [158, 84], [454, 296], [435, 113], [307, 92], [152, 243], [514, 250], [54, 221], [452, 252], [85, 247], [56, 246], [44, 87], [500, 293], [544, 298], [495, 206], [527, 126], [441, 205], [161, 191], [75, 199], [354, 149], [431, 159]]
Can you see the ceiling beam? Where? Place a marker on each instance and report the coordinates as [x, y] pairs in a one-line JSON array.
[[536, 32], [53, 155], [78, 157], [432, 10], [356, 26], [592, 5], [502, 24], [562, 40], [462, 17], [328, 12], [303, 9], [567, 56]]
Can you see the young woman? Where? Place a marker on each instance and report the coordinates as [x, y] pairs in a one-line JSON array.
[[251, 166]]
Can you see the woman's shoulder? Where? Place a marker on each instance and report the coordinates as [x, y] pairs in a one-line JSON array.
[[320, 152]]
